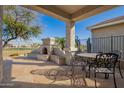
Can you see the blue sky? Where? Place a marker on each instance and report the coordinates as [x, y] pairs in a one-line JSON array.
[[53, 27]]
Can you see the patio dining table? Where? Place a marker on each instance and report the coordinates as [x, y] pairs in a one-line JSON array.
[[87, 58], [87, 55]]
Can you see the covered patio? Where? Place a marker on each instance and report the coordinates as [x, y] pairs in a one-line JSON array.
[[28, 73], [70, 14]]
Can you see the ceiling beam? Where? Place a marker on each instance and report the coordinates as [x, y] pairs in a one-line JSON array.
[[85, 12], [51, 11], [89, 11]]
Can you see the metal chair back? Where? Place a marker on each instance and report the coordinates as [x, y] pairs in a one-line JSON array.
[[119, 53], [106, 60]]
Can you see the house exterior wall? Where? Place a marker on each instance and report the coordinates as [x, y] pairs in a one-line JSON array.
[[108, 38], [114, 30]]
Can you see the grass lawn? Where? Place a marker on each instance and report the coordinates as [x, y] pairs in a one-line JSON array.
[[15, 51]]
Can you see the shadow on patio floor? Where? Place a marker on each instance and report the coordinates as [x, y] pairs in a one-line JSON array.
[[19, 84], [33, 63], [21, 71]]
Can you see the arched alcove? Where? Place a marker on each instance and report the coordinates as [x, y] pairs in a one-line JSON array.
[[44, 51]]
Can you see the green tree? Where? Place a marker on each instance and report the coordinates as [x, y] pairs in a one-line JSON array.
[[18, 23], [60, 42]]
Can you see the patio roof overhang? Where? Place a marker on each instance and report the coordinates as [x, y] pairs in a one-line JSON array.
[[71, 12]]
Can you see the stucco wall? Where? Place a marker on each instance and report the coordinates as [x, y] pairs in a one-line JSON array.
[[59, 52], [114, 30]]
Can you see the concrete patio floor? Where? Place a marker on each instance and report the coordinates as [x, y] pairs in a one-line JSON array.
[[20, 76]]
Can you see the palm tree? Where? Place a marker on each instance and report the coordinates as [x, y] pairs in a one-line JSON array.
[[60, 42]]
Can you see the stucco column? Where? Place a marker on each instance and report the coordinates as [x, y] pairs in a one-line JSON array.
[[1, 61], [70, 35]]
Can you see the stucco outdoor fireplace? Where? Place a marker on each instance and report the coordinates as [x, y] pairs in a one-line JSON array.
[[46, 49]]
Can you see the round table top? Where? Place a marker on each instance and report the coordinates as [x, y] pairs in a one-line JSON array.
[[89, 55]]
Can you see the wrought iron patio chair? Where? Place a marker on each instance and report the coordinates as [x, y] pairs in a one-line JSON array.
[[106, 64], [72, 60], [74, 63], [91, 64], [119, 53]]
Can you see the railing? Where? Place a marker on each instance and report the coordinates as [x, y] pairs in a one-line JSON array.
[[83, 45], [103, 44]]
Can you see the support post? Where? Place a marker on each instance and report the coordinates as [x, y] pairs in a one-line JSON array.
[[112, 43], [1, 59], [88, 46], [70, 36], [70, 40]]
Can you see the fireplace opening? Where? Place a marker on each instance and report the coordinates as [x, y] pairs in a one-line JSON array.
[[44, 51]]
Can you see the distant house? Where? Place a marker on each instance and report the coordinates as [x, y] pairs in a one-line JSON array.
[[108, 35]]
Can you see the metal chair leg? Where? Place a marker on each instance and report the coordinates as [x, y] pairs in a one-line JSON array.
[[83, 68], [72, 82], [106, 75], [95, 79], [114, 80], [119, 67], [72, 77], [86, 71], [89, 71]]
